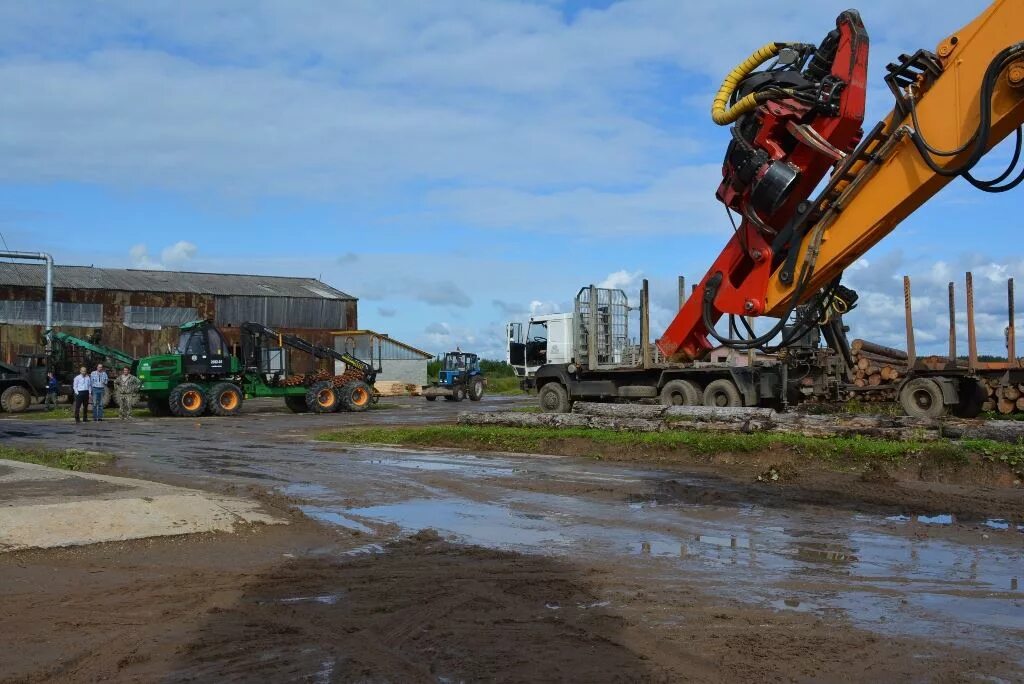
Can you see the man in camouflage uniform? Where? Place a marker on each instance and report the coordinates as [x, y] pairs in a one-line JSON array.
[[127, 388]]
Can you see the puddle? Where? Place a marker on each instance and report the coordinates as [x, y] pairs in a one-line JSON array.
[[332, 516], [325, 599], [793, 604], [310, 490]]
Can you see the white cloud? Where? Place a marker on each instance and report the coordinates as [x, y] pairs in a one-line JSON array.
[[174, 256], [621, 280]]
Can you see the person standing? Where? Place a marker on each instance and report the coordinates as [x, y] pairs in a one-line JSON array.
[[126, 386], [99, 391], [81, 387], [52, 386]]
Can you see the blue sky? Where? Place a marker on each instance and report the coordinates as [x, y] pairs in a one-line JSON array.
[[455, 164]]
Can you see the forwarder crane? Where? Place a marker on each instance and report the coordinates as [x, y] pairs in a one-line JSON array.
[[791, 123]]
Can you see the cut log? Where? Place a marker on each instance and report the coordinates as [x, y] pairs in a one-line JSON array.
[[863, 363], [1006, 406], [858, 346], [874, 379], [1011, 393]]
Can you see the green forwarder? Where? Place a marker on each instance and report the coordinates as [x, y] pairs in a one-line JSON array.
[[202, 377]]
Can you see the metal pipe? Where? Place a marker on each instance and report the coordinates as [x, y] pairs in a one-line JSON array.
[[972, 340], [1011, 333], [645, 325], [908, 313], [40, 256], [952, 325]]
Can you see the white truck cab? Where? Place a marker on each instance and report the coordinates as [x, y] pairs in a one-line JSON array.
[[548, 338]]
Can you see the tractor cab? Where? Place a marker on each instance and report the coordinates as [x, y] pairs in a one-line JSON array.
[[459, 377], [203, 349]]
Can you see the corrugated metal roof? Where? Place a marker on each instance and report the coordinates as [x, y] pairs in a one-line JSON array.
[[133, 280], [371, 333]]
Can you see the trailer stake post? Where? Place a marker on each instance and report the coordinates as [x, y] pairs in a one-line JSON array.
[[908, 313], [972, 340], [952, 325]]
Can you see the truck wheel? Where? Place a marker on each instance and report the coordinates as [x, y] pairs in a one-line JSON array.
[[296, 404], [225, 399], [158, 408], [476, 389], [922, 398], [355, 396], [554, 398], [321, 398], [680, 393], [187, 400], [15, 399], [722, 393]]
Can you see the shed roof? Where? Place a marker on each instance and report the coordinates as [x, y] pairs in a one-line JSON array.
[[137, 280], [383, 336]]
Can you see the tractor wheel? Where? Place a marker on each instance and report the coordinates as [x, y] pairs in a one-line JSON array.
[[15, 399], [225, 399], [476, 389], [458, 394], [554, 398], [355, 396], [922, 398], [158, 408], [722, 393], [296, 404], [430, 397], [321, 398], [681, 393], [187, 400]]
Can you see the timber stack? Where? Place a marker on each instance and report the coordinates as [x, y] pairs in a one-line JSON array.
[[877, 370]]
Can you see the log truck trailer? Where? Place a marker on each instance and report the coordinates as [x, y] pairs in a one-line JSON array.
[[793, 121]]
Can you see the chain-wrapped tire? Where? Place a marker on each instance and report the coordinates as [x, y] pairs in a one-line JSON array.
[[321, 397], [355, 396], [187, 400], [296, 404], [225, 399], [158, 408]]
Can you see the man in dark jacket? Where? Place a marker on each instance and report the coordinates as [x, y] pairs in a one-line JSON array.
[[52, 387]]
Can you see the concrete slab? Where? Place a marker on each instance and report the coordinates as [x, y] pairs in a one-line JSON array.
[[42, 507]]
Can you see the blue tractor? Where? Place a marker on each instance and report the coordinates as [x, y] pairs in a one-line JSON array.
[[459, 377]]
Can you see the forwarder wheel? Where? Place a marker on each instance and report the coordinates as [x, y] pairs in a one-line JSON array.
[[158, 408], [476, 389], [554, 398], [458, 394], [321, 398], [296, 404], [225, 399], [922, 398], [15, 399], [187, 400], [680, 393], [355, 396], [722, 393]]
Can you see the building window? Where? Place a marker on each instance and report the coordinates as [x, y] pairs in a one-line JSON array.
[[73, 314], [157, 317]]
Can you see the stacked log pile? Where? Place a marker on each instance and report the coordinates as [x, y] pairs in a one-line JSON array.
[[1004, 399], [309, 378], [876, 370], [646, 418]]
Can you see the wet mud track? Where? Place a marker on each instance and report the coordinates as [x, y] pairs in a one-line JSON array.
[[659, 558]]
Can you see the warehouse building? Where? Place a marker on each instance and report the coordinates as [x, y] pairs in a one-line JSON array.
[[402, 365], [139, 311]]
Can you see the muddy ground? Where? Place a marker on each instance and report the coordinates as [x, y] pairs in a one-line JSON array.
[[448, 566]]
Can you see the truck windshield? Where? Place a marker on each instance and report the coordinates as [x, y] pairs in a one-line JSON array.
[[538, 331]]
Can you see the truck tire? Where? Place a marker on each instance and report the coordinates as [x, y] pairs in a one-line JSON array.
[[187, 400], [158, 408], [225, 399], [681, 393], [321, 398], [722, 393], [554, 398], [922, 398], [296, 404], [476, 389], [16, 399], [458, 394], [355, 396]]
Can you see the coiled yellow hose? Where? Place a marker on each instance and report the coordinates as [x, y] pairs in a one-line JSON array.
[[722, 116]]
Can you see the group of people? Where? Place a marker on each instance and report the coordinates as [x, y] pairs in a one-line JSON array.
[[93, 387]]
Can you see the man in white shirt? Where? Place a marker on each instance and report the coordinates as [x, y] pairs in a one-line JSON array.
[[98, 385], [81, 386]]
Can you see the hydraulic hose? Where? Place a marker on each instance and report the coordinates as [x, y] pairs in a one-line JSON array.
[[724, 116]]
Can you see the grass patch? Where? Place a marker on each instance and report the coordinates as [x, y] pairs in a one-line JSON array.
[[693, 442], [69, 459], [66, 413], [503, 385]]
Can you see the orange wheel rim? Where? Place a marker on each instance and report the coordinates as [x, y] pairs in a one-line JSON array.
[[360, 396], [325, 397], [191, 400], [229, 400]]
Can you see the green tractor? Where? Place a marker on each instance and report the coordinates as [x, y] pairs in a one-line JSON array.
[[202, 377]]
